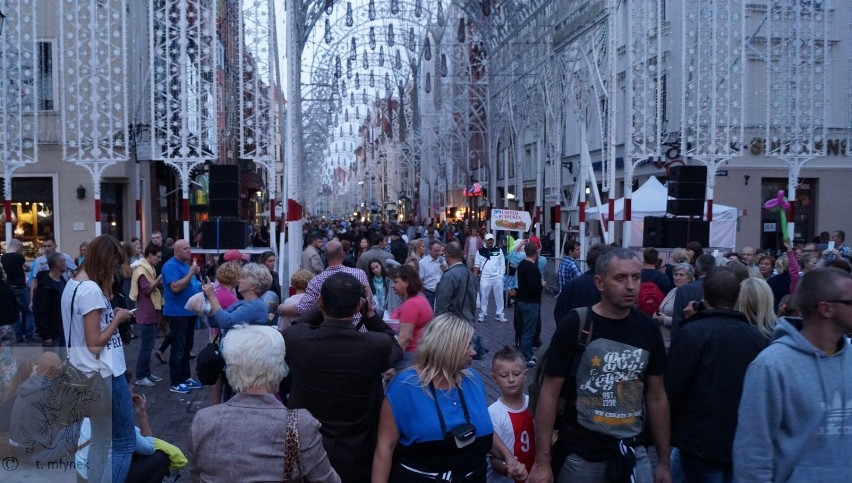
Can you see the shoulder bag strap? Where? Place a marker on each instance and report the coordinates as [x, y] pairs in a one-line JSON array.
[[71, 322], [583, 337], [292, 453]]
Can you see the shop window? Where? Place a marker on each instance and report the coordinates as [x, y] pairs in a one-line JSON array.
[[32, 212], [805, 211], [112, 215]]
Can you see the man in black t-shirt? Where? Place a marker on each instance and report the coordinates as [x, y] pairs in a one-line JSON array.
[[16, 267], [616, 391], [528, 298]]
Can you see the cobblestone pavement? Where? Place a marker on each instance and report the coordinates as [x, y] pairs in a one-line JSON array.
[[171, 414]]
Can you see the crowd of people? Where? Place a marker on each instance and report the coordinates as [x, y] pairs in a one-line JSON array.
[[696, 368]]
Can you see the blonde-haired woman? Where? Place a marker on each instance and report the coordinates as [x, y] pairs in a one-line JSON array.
[[434, 419], [757, 303]]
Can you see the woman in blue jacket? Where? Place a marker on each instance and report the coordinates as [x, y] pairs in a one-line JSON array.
[[255, 280]]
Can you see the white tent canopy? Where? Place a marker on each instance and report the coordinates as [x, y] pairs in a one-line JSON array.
[[650, 200]]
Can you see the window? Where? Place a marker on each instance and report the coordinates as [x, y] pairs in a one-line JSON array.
[[44, 88]]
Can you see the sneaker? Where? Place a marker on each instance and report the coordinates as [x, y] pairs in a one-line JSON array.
[[145, 382], [192, 384], [502, 320], [481, 321], [155, 378], [531, 363], [180, 389]]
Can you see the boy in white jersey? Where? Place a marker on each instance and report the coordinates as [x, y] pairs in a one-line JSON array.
[[510, 415]]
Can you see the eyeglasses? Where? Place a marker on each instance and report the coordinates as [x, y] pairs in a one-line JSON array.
[[844, 302]]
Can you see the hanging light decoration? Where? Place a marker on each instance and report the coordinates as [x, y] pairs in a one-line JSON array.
[[371, 10], [418, 8], [387, 82], [428, 84], [353, 50], [444, 70], [357, 81], [372, 38], [397, 61], [461, 30], [348, 68], [329, 6], [352, 99], [381, 56], [337, 70], [412, 44], [346, 115], [486, 7], [365, 61], [357, 113], [394, 6], [439, 15], [372, 79], [364, 98], [327, 31], [342, 86], [349, 21], [427, 49], [391, 37], [341, 131], [351, 133]]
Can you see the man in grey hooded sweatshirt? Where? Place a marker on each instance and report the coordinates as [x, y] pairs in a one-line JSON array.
[[795, 415]]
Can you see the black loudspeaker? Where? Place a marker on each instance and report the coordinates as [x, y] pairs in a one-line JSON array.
[[688, 174], [680, 231], [684, 207], [652, 232], [231, 234], [224, 191], [685, 190]]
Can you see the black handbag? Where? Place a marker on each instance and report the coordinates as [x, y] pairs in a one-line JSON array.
[[73, 395], [210, 363]]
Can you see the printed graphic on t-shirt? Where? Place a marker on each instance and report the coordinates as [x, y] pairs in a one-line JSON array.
[[524, 437], [610, 388]]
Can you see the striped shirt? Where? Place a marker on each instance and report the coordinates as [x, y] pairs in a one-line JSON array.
[[312, 293]]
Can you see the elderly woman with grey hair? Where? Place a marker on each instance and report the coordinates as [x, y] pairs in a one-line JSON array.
[[269, 437], [682, 274], [255, 280]]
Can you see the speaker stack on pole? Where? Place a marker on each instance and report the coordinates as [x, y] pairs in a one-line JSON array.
[[224, 229], [688, 186]]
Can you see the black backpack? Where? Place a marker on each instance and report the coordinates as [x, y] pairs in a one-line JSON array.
[[583, 337]]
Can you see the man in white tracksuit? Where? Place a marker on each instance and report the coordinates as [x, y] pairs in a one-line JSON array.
[[490, 266]]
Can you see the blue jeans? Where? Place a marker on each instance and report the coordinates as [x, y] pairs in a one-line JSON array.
[[25, 324], [112, 433], [430, 296], [148, 335], [529, 313], [698, 470], [576, 468], [183, 333]]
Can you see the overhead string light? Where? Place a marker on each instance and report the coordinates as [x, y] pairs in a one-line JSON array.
[[357, 113], [387, 82], [357, 81], [329, 6], [418, 8], [381, 56], [364, 98], [353, 50], [412, 44], [337, 70], [427, 49], [351, 99], [342, 86], [394, 6], [349, 21], [397, 60], [372, 37], [372, 79], [365, 60], [327, 31], [346, 115], [444, 70], [391, 36], [371, 10], [439, 15], [461, 30], [348, 68], [428, 84]]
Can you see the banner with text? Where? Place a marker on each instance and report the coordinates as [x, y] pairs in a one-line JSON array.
[[511, 220]]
